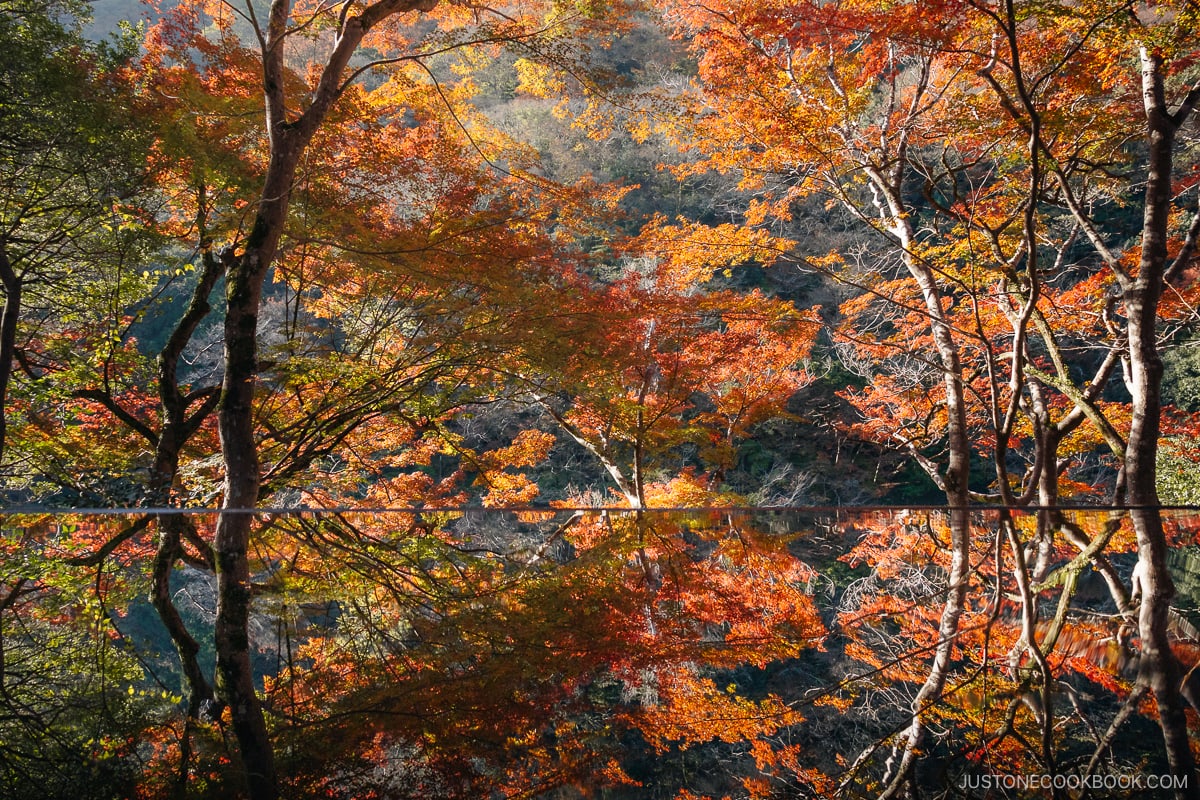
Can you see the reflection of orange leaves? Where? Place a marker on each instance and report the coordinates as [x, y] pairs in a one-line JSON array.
[[613, 775], [757, 597], [1100, 673], [1181, 529], [894, 548], [588, 532], [692, 709], [534, 517], [1091, 649], [87, 535], [660, 604]]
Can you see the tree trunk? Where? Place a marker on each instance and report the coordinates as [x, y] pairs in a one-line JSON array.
[[1159, 667], [955, 482], [8, 336], [178, 427], [235, 676], [288, 139], [199, 692]]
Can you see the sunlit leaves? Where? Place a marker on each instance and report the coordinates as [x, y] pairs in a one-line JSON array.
[[635, 628]]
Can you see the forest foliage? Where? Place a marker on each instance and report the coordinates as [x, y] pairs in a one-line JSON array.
[[389, 331]]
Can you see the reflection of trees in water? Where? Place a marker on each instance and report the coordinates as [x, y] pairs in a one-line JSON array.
[[654, 653], [672, 642], [1044, 678]]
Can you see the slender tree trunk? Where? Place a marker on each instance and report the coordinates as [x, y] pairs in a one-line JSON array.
[[12, 284], [235, 415], [199, 692], [1158, 668], [235, 676], [1143, 292], [955, 482]]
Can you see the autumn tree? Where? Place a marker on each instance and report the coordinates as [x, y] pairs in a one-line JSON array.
[[407, 262], [200, 43], [388, 258], [955, 134], [1028, 87], [668, 365], [66, 164], [830, 122]]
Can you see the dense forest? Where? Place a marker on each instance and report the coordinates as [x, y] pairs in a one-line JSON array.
[[599, 398]]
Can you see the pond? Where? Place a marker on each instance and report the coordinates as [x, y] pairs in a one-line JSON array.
[[616, 654]]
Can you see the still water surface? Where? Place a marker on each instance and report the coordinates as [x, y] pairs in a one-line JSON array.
[[721, 653]]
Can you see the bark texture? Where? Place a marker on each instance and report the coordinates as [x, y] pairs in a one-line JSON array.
[[1159, 669], [955, 481], [288, 139], [12, 284]]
